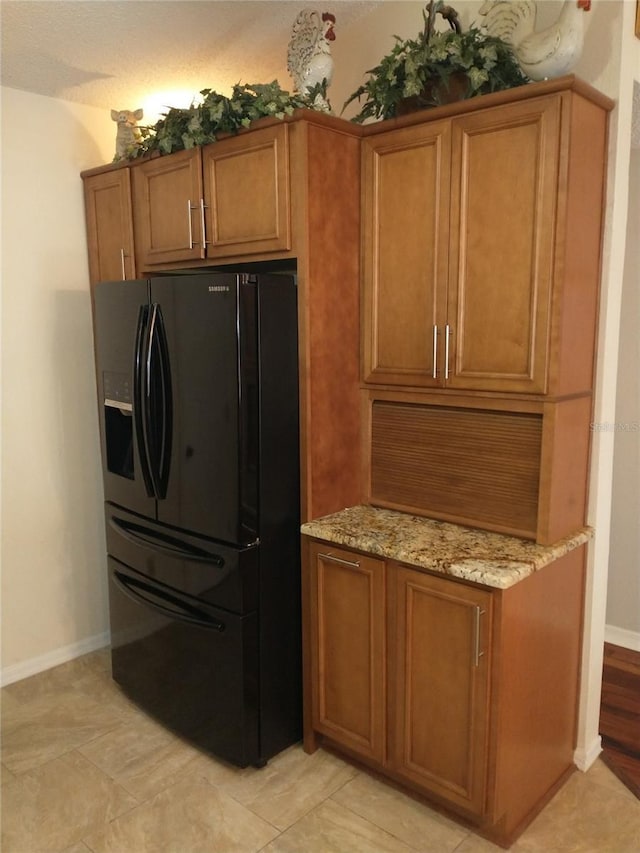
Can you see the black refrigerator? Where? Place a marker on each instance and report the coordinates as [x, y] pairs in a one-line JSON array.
[[198, 399]]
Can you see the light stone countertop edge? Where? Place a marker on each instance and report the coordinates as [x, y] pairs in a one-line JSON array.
[[491, 559]]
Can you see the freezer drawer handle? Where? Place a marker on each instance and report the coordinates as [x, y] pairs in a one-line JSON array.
[[166, 544], [135, 588]]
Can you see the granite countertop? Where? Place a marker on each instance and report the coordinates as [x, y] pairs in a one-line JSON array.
[[491, 559]]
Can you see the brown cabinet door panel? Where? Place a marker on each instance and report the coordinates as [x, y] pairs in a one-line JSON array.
[[406, 213], [347, 641], [246, 187], [109, 226], [167, 193], [504, 187], [438, 686]]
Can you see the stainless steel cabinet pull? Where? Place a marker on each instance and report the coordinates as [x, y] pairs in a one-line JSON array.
[[190, 207], [435, 352], [124, 272], [477, 654], [202, 223], [447, 333], [355, 564]]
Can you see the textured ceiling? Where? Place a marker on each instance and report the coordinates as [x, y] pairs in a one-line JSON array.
[[114, 54]]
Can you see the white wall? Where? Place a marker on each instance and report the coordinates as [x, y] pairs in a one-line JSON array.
[[623, 600], [53, 563]]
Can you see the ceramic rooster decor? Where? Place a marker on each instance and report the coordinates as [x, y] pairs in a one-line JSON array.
[[309, 59], [550, 52]]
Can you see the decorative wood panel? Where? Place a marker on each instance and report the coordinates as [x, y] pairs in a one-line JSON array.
[[474, 466], [539, 675], [328, 302]]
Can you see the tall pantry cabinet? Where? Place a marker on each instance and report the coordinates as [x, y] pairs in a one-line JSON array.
[[481, 249]]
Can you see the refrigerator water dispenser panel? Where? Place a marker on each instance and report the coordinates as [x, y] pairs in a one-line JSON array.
[[118, 423], [117, 389]]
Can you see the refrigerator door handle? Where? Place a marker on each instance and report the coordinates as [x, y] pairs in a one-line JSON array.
[[165, 544], [157, 419], [139, 396], [165, 603]]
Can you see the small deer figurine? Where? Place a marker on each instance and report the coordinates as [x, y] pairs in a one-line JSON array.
[[128, 135]]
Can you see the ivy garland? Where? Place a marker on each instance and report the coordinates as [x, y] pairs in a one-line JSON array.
[[181, 129], [412, 66]]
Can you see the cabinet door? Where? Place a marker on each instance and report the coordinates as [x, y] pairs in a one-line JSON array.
[[168, 213], [246, 191], [405, 244], [504, 188], [347, 642], [438, 685], [107, 199]]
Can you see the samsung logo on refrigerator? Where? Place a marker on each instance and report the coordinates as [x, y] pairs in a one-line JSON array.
[[219, 288]]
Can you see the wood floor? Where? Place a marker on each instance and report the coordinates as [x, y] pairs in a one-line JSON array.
[[620, 714]]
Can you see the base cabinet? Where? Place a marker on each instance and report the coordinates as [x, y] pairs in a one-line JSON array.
[[463, 694]]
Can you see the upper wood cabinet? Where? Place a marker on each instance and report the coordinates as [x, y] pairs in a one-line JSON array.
[[109, 223], [501, 242], [226, 199], [481, 247], [246, 192], [167, 194], [405, 244]]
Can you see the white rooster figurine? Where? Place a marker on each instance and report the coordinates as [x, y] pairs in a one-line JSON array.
[[309, 59], [548, 53]]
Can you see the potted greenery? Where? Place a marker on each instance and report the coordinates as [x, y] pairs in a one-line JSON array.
[[436, 68], [218, 114]]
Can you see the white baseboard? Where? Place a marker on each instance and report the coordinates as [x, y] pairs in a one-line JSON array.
[[622, 637], [584, 758], [18, 671]]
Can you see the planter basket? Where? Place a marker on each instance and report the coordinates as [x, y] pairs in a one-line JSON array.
[[436, 93]]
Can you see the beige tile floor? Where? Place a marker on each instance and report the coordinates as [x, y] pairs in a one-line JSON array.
[[84, 770]]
